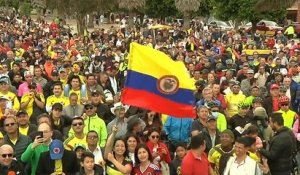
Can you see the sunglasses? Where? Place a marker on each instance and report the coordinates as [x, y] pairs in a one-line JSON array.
[[6, 155], [78, 124], [285, 104], [95, 95], [89, 108], [155, 137], [9, 124], [28, 76]]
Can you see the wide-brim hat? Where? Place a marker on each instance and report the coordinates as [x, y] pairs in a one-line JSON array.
[[118, 105]]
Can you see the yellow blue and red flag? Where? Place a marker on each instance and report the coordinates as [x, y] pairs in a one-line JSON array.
[[156, 82]]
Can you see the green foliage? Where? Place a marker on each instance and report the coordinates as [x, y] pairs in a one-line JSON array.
[[14, 3], [11, 3], [266, 5], [25, 9], [205, 9], [244, 10], [161, 8]]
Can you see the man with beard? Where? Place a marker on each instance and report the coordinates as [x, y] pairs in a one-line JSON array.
[[281, 148]]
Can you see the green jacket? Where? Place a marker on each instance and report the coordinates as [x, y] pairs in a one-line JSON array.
[[32, 156], [221, 122], [97, 124]]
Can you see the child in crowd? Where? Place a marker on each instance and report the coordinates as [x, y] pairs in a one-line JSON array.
[[88, 166], [179, 155]]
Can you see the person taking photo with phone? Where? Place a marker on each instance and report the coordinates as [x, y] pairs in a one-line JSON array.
[[39, 145]]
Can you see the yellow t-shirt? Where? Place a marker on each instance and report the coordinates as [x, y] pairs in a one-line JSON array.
[[53, 99], [78, 92], [64, 82], [28, 97], [232, 102], [23, 131], [70, 142], [13, 99]]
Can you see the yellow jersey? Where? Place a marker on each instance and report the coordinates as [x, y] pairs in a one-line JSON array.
[[28, 97], [53, 99], [232, 102], [13, 100], [70, 142]]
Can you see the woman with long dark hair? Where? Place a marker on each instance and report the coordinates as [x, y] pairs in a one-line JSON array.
[[116, 155], [144, 163], [158, 149]]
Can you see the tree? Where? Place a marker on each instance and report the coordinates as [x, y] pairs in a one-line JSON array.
[[161, 8], [25, 9], [266, 5], [187, 8], [77, 8], [244, 10], [132, 6], [39, 5]]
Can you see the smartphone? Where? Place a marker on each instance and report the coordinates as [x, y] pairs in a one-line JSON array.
[[40, 134]]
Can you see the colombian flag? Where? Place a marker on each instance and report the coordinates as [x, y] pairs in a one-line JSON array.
[[156, 82]]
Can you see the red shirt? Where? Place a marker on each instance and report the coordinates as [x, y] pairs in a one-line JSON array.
[[152, 169], [221, 98], [193, 166], [166, 158], [275, 105]]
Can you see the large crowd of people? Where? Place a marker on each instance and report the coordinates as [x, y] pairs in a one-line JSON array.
[[61, 110]]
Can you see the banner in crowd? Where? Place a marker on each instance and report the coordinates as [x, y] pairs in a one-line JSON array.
[[156, 82]]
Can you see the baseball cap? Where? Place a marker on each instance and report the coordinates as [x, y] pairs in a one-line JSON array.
[[3, 97], [88, 105], [274, 86], [56, 149], [235, 83], [228, 132], [97, 93], [62, 70], [57, 106], [260, 112], [21, 112], [210, 118], [26, 73], [54, 73], [200, 83], [257, 100], [4, 79], [79, 146], [250, 71]]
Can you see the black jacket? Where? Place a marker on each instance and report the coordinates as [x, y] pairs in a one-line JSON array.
[[280, 153], [97, 169], [268, 105], [15, 167], [208, 140], [46, 166]]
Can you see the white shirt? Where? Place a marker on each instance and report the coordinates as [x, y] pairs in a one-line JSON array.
[[97, 153], [247, 167], [113, 82]]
